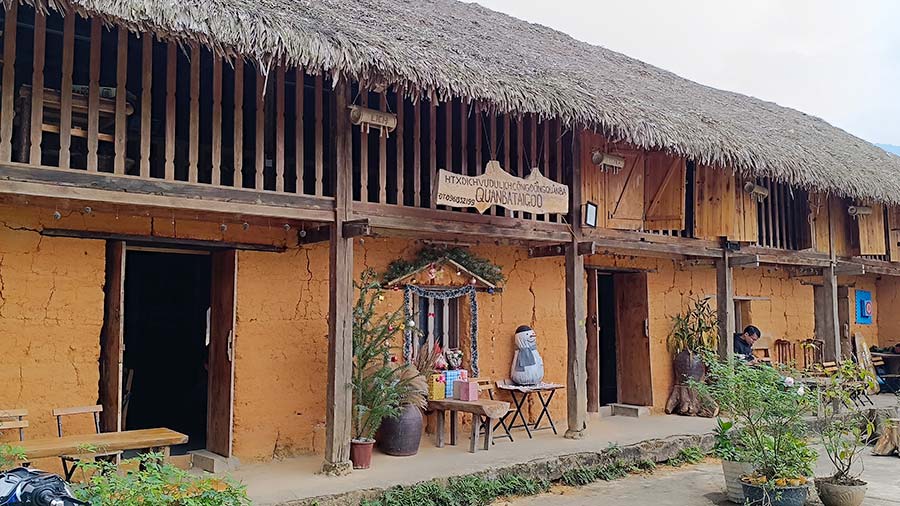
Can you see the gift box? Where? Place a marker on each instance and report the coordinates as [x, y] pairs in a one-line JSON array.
[[465, 390], [437, 389], [463, 375], [450, 377]]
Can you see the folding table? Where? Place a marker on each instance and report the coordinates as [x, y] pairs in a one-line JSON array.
[[520, 393]]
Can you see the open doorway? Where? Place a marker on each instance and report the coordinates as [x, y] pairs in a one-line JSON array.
[[619, 367], [165, 368]]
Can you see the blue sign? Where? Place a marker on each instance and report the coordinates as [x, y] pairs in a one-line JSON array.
[[864, 307]]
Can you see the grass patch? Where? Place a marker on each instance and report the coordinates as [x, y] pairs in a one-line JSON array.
[[690, 455], [462, 491]]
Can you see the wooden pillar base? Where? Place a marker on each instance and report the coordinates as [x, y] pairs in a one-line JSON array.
[[337, 469], [575, 434]]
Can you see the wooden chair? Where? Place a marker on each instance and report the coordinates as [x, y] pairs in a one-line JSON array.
[[486, 385], [70, 462], [14, 419], [813, 353], [785, 352]]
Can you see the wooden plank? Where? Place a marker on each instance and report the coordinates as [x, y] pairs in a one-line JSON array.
[[260, 132], [299, 98], [171, 77], [634, 381], [7, 105], [220, 401], [417, 154], [401, 154], [664, 189], [479, 160], [520, 154], [625, 193], [364, 153], [725, 316], [493, 150], [121, 85], [840, 224], [13, 413], [593, 181], [382, 155], [93, 118], [506, 155], [464, 136], [558, 172], [872, 231], [432, 152], [146, 101], [746, 227], [136, 242], [576, 346], [37, 85], [65, 109], [340, 303], [279, 128], [893, 233], [593, 344], [112, 338], [238, 180], [109, 441], [216, 135], [77, 410], [320, 153], [777, 215]]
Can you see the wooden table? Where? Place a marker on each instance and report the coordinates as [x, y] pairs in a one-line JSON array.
[[520, 393], [891, 361], [143, 439], [485, 413]]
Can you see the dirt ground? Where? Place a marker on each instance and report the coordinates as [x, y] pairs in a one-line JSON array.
[[701, 485]]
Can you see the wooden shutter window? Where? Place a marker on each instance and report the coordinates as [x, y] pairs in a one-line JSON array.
[[625, 193], [746, 226], [871, 231], [714, 210], [664, 186]]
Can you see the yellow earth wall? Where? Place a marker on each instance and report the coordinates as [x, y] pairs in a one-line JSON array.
[[888, 317]]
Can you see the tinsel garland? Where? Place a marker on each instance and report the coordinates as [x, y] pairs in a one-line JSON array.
[[441, 294], [481, 267]]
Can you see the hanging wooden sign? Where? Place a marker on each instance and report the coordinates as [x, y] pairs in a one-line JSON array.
[[534, 194]]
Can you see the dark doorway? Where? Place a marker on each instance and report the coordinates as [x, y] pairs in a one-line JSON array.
[[167, 303], [606, 312]]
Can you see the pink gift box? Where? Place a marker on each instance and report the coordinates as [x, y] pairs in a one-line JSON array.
[[465, 390]]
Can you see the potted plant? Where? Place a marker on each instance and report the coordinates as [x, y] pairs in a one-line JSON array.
[[734, 464], [694, 333], [378, 385], [769, 407], [400, 435], [844, 436]]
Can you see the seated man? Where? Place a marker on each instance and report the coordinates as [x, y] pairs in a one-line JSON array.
[[743, 343]]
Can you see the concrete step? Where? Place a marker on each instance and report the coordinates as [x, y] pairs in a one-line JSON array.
[[213, 463], [629, 410]]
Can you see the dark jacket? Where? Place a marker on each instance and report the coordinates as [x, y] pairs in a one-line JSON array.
[[742, 348]]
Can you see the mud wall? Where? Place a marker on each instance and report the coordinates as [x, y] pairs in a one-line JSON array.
[[888, 317]]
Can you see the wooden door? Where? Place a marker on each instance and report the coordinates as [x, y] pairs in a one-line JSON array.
[[220, 415], [112, 338], [633, 339], [625, 193]]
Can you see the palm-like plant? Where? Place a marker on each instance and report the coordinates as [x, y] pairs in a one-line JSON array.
[[694, 330]]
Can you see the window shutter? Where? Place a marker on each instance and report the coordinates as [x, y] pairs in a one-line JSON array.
[[871, 232], [625, 193], [714, 198], [664, 185]]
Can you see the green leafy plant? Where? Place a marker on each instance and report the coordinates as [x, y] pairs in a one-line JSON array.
[[10, 456], [690, 455], [155, 483], [433, 254], [845, 435], [694, 330], [461, 491], [769, 405], [380, 385], [725, 447]]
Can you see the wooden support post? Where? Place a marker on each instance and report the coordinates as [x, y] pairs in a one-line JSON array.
[[725, 306], [592, 333], [8, 84], [830, 332], [340, 322], [576, 378]]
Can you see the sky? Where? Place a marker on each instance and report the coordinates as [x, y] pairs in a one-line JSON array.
[[838, 60]]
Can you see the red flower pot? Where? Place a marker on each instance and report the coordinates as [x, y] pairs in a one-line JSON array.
[[361, 453]]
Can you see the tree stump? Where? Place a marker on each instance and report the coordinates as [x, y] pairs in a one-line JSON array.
[[687, 402], [889, 442]]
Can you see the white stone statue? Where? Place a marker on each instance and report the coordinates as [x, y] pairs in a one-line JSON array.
[[527, 366]]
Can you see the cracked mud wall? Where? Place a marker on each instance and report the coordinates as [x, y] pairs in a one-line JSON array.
[[51, 311]]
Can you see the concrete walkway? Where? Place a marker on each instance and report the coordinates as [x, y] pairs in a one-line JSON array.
[[293, 480]]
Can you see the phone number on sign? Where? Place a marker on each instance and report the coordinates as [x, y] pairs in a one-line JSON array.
[[465, 201]]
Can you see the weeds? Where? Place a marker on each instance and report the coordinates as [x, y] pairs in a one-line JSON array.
[[463, 491], [690, 455]]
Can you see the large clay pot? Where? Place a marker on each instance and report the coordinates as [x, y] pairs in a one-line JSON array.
[[832, 494], [733, 472], [756, 495], [688, 366], [361, 453], [400, 436]]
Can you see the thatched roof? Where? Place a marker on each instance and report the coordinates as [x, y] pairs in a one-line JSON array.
[[448, 48]]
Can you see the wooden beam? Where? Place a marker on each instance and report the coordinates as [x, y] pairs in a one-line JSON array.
[[744, 261], [319, 186], [260, 132], [146, 101], [338, 403], [171, 71], [121, 120], [216, 135], [356, 228], [299, 96], [849, 269], [696, 263], [576, 354], [829, 332], [238, 150], [131, 239], [65, 105], [584, 248], [37, 85], [351, 228], [279, 128], [725, 306], [7, 102]]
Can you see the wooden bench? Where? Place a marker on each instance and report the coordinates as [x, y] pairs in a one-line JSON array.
[[485, 413], [144, 439]]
